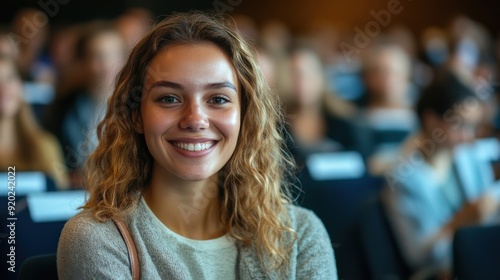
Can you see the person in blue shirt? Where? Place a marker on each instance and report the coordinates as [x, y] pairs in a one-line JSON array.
[[439, 184]]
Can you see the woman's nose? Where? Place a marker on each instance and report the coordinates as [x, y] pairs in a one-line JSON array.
[[194, 117]]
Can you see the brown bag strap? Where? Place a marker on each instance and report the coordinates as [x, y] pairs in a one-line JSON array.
[[132, 250]]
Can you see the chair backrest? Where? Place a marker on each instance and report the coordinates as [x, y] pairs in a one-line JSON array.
[[337, 204], [385, 136], [39, 225], [383, 256], [39, 267], [476, 252]]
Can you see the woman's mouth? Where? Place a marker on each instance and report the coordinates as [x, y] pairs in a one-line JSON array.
[[194, 147]]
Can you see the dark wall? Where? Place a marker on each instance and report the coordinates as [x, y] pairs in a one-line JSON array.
[[83, 10], [346, 14]]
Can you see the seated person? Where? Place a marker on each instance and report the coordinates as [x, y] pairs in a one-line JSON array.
[[22, 143], [34, 64], [439, 184], [73, 118], [6, 47], [386, 73], [387, 114], [319, 122]]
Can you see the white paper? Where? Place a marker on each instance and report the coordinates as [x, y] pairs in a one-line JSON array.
[[55, 206], [335, 166]]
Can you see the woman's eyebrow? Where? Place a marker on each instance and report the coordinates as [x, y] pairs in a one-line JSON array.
[[166, 84], [178, 86], [221, 85]]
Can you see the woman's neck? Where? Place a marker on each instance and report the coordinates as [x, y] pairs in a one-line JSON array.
[[191, 209]]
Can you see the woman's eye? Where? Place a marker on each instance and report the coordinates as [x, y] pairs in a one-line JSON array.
[[219, 100], [169, 99]]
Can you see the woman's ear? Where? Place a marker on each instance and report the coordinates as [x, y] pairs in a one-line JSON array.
[[137, 119]]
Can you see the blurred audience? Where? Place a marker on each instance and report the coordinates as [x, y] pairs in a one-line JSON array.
[[266, 63], [73, 118], [434, 44], [319, 121], [62, 49], [133, 25], [387, 70], [31, 38], [247, 27], [470, 51], [420, 73], [439, 184], [343, 74], [22, 143], [7, 46], [275, 38], [387, 112]]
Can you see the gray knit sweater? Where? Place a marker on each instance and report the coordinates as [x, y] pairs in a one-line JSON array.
[[92, 250]]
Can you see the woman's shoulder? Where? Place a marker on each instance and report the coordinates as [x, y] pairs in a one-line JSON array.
[[89, 249], [314, 251], [300, 214], [85, 219], [83, 230], [305, 221]]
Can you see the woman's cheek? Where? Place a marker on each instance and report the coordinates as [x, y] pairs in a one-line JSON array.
[[228, 122]]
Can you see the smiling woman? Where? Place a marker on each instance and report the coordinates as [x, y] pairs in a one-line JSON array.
[[195, 166]]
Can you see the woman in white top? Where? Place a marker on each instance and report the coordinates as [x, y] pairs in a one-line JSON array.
[[191, 156]]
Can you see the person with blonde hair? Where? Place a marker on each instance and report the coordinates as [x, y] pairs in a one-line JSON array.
[[191, 158], [23, 143]]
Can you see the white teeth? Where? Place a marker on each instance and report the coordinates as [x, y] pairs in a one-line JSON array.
[[194, 147]]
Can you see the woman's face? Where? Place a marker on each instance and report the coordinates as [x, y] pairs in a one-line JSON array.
[[10, 90], [190, 113]]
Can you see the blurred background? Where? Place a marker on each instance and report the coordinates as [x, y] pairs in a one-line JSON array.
[[296, 14], [392, 117]]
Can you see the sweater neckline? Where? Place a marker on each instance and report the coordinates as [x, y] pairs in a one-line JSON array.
[[210, 244]]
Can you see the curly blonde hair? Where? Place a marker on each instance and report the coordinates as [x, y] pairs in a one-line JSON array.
[[254, 184]]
